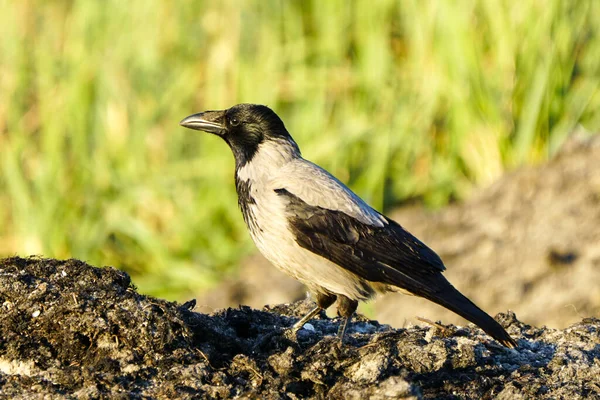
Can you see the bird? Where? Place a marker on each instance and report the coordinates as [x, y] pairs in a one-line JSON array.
[[311, 226]]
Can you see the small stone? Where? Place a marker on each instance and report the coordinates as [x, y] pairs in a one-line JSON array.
[[309, 327]]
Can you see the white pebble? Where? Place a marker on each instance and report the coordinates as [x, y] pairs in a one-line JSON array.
[[309, 327]]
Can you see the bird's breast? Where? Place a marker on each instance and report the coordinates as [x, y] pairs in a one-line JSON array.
[[265, 215]]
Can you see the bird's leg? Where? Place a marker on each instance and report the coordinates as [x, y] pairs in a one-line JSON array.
[[298, 325], [323, 302], [346, 308]]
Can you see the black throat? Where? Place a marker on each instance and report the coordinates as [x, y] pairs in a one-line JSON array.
[[242, 152]]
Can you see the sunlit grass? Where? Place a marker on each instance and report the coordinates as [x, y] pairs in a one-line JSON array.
[[400, 99]]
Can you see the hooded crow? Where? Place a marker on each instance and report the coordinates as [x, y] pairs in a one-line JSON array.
[[314, 228]]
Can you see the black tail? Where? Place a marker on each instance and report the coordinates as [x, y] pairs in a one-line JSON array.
[[455, 301]]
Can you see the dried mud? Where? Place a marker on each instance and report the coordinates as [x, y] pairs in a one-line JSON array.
[[70, 330]]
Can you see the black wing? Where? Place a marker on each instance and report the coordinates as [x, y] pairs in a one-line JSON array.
[[387, 254]]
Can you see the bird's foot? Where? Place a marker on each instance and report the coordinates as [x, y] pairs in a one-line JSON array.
[[291, 334]]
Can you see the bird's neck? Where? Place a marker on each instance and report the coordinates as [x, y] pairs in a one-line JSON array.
[[268, 158]]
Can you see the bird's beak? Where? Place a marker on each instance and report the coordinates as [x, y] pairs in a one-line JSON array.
[[208, 121]]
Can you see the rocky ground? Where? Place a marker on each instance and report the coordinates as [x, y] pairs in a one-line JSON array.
[[70, 330], [529, 243]]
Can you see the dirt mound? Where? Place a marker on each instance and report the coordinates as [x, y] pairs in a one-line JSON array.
[[71, 330], [529, 243]]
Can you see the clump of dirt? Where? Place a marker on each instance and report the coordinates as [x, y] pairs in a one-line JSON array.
[[68, 329], [529, 243]]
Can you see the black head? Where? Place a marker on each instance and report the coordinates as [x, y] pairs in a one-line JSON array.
[[244, 127]]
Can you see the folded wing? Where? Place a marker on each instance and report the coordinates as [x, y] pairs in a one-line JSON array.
[[384, 253]]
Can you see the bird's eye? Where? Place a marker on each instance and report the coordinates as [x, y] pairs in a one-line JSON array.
[[234, 121]]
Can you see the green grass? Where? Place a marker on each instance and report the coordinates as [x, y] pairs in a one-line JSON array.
[[400, 99]]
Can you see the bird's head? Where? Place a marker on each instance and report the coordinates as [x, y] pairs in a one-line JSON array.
[[244, 127]]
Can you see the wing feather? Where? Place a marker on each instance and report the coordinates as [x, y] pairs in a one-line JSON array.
[[317, 187], [388, 254]]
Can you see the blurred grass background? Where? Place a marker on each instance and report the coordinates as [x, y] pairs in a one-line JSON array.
[[403, 100]]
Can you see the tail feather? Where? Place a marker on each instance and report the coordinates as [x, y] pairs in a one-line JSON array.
[[455, 301]]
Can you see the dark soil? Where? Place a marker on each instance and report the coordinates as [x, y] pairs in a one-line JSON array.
[[70, 330]]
